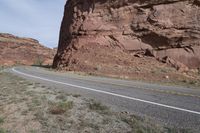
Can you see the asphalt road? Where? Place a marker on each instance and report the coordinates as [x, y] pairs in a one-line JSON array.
[[174, 106]]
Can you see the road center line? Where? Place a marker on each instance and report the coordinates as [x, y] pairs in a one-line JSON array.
[[108, 93]]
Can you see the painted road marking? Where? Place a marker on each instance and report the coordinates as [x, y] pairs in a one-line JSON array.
[[171, 92], [147, 89], [108, 93]]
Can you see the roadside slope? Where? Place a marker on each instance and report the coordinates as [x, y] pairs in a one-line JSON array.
[[27, 106], [137, 98]]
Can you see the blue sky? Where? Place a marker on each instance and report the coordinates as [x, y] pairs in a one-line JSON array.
[[38, 19]]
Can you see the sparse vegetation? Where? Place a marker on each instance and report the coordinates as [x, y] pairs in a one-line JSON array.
[[98, 68], [190, 83], [61, 97], [52, 111], [140, 127], [38, 61], [193, 82], [17, 63], [33, 131], [198, 70], [3, 67], [61, 107], [1, 120], [174, 130], [2, 130], [97, 106], [76, 95], [36, 102], [13, 40]]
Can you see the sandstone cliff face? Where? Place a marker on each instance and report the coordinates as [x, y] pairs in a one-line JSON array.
[[160, 28], [27, 51]]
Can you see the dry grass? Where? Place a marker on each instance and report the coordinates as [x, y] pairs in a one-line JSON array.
[[12, 40], [98, 107], [33, 108], [1, 120], [61, 107], [2, 130]]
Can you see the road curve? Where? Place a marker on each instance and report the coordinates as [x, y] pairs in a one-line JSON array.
[[174, 106]]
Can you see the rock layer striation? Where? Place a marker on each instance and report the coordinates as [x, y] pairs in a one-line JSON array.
[[164, 29]]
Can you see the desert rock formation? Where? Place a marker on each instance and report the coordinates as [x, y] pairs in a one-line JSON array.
[[26, 51], [112, 32]]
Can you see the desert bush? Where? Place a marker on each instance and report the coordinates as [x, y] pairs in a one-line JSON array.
[[1, 67], [2, 130], [61, 107], [1, 120], [18, 62], [39, 61], [96, 106]]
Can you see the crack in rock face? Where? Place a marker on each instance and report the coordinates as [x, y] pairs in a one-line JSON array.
[[169, 28]]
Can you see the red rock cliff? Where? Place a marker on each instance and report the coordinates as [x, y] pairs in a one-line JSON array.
[[95, 30]]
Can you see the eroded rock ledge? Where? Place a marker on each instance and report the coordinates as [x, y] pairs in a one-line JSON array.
[[160, 28]]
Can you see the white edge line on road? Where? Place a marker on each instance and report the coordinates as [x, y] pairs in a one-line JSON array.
[[108, 93]]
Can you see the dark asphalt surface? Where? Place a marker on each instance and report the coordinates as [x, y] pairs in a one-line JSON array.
[[174, 106]]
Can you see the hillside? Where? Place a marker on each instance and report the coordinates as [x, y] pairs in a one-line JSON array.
[[27, 51]]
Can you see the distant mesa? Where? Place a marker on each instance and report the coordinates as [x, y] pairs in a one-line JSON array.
[[23, 51]]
